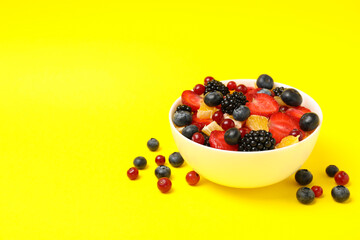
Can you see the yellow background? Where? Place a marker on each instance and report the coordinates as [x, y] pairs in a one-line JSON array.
[[84, 85]]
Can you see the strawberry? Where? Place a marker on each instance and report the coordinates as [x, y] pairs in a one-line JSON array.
[[297, 112], [200, 123], [263, 105], [191, 99], [281, 124], [251, 92], [217, 140]]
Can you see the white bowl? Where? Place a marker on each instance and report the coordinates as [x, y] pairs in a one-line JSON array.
[[247, 169]]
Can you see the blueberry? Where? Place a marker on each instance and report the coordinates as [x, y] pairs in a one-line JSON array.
[[331, 170], [266, 91], [213, 99], [175, 159], [162, 171], [340, 193], [305, 195], [182, 118], [309, 121], [265, 81], [291, 97], [232, 136], [241, 113], [303, 177], [153, 144], [140, 162], [188, 131]]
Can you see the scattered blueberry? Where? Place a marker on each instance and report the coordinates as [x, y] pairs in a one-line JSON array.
[[182, 118], [291, 97], [140, 162], [303, 177], [340, 193], [162, 171], [305, 195], [265, 81], [188, 131], [265, 90], [153, 144], [232, 136], [213, 99], [175, 159], [309, 121], [241, 113], [331, 170]]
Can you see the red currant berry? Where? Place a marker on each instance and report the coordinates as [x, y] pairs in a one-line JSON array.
[[231, 85], [199, 89], [164, 184], [227, 124], [283, 109], [160, 160], [132, 173], [317, 190], [198, 138], [208, 79], [192, 178], [297, 132], [218, 117], [241, 88], [244, 130], [341, 178]]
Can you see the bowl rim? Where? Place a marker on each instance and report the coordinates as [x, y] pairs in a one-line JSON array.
[[320, 114]]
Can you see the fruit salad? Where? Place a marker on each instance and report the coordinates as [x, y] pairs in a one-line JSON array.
[[236, 117]]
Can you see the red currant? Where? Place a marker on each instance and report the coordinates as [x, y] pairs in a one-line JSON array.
[[198, 138], [132, 173], [199, 89], [283, 109], [297, 132], [231, 85], [164, 184], [218, 117], [192, 178], [244, 130], [160, 160], [241, 88], [317, 190], [341, 178], [208, 79], [227, 124]]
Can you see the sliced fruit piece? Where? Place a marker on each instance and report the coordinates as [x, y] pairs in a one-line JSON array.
[[279, 101], [251, 93], [217, 140], [238, 124], [256, 122], [297, 112], [213, 126], [200, 123], [205, 112], [287, 141], [191, 99], [263, 104], [280, 125]]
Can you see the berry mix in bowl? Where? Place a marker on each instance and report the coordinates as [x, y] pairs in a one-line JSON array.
[[245, 133]]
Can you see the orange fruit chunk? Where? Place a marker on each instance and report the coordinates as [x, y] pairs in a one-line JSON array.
[[256, 122], [287, 141]]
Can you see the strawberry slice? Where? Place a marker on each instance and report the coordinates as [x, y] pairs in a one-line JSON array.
[[251, 93], [217, 140], [191, 99], [281, 124], [263, 105], [297, 112], [200, 123]]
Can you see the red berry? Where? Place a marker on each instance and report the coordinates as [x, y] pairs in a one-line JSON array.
[[199, 89], [208, 79], [317, 190], [341, 178], [297, 132], [164, 184], [283, 109], [244, 130], [231, 85], [198, 138], [241, 88], [132, 173], [192, 178], [227, 123], [160, 160], [218, 117]]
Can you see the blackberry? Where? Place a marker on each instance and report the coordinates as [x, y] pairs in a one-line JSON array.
[[232, 101], [215, 85], [206, 143], [260, 140], [278, 91], [184, 108]]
